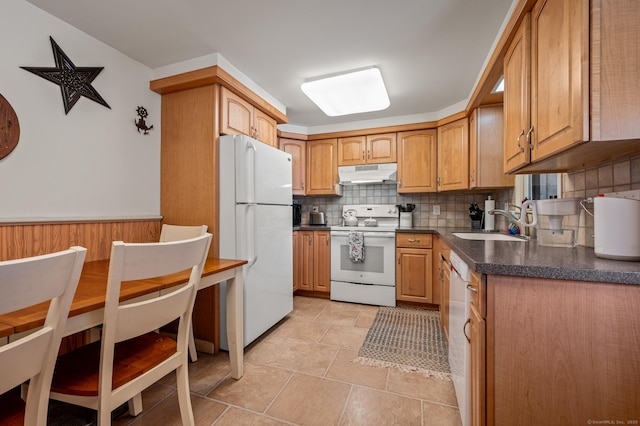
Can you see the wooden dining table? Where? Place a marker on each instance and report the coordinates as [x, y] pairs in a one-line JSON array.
[[87, 309]]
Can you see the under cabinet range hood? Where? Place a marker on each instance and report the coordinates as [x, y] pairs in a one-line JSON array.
[[368, 173]]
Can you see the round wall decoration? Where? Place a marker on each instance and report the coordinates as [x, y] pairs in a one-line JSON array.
[[9, 128]]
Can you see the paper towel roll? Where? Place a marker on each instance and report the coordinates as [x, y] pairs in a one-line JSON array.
[[489, 219]]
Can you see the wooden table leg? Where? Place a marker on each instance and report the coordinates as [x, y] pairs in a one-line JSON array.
[[235, 319]]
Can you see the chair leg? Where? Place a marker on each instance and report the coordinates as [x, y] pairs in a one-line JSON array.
[[135, 405], [184, 397], [193, 354]]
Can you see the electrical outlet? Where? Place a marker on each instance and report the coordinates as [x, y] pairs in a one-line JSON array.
[[436, 210]]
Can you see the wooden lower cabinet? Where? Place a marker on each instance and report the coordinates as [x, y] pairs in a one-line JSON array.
[[414, 259], [478, 366], [312, 261], [561, 352]]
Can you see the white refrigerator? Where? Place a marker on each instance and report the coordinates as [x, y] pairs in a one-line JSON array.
[[255, 225]]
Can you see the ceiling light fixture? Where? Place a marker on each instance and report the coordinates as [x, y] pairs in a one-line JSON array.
[[349, 93]]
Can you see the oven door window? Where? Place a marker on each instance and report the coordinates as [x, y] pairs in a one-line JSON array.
[[378, 266]]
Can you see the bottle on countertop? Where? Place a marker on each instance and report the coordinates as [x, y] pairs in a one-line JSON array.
[[489, 219]]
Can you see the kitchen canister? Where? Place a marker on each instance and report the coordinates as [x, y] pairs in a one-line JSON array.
[[489, 219], [616, 228], [406, 219]]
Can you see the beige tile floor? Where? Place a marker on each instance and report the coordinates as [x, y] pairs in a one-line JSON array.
[[300, 373]]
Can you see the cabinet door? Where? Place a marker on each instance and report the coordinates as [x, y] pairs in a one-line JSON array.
[[322, 167], [297, 260], [486, 149], [559, 76], [298, 159], [453, 155], [351, 151], [381, 148], [306, 258], [236, 114], [478, 366], [417, 161], [413, 275], [322, 260], [265, 128], [517, 71]]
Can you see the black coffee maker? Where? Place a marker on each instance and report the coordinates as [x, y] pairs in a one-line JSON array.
[[297, 214]]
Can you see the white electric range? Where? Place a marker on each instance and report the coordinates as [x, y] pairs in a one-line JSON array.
[[371, 281]]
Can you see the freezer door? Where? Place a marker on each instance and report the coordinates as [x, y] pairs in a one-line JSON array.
[[265, 241], [263, 173]]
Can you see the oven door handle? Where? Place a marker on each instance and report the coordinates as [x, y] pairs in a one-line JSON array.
[[367, 234]]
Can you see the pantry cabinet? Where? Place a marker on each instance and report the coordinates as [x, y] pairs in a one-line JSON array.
[[370, 149], [238, 116], [417, 165], [571, 85], [297, 149], [453, 155], [486, 149], [414, 259], [322, 167], [313, 261]]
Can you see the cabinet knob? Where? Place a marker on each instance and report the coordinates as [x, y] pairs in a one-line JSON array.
[[369, 155], [363, 154], [398, 258]]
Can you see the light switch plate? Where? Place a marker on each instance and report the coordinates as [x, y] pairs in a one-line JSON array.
[[436, 210]]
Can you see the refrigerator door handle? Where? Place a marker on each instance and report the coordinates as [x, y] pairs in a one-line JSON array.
[[251, 173], [251, 234]]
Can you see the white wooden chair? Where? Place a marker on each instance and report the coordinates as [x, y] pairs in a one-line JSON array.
[[23, 283], [176, 233], [131, 356]]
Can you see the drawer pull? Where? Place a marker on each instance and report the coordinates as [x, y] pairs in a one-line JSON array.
[[472, 288], [413, 240], [464, 329]]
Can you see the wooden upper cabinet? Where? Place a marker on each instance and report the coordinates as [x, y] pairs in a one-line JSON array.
[[352, 151], [559, 76], [417, 161], [238, 116], [370, 149], [517, 116], [453, 155], [298, 159], [265, 128], [322, 167], [486, 149]]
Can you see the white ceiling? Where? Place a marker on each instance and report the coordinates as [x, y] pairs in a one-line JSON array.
[[430, 52]]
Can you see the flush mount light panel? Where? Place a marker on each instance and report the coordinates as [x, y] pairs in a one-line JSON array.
[[350, 93]]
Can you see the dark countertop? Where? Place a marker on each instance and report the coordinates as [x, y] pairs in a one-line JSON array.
[[530, 259], [312, 228]]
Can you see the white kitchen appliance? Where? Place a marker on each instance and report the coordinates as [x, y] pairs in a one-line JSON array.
[[556, 221], [616, 228], [373, 280], [255, 225], [459, 345]]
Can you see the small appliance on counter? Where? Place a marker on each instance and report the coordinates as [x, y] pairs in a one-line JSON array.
[[616, 228], [556, 221], [406, 215], [317, 218], [297, 214]]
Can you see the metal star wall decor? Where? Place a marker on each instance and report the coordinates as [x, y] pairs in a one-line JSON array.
[[73, 81]]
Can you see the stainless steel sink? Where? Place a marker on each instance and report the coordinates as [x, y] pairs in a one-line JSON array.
[[487, 236]]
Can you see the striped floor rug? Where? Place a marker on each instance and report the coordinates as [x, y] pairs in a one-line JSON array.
[[410, 339]]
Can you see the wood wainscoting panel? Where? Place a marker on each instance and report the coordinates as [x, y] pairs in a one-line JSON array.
[[18, 240]]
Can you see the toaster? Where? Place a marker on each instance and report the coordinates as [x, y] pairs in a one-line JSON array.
[[317, 218]]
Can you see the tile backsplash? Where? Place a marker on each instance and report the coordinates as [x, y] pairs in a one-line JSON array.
[[454, 208], [610, 177]]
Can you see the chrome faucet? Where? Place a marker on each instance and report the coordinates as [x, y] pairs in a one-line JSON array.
[[506, 214]]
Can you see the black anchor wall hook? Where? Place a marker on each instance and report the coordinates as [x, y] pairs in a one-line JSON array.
[[140, 123]]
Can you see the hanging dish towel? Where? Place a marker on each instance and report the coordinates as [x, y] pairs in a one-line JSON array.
[[356, 247]]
